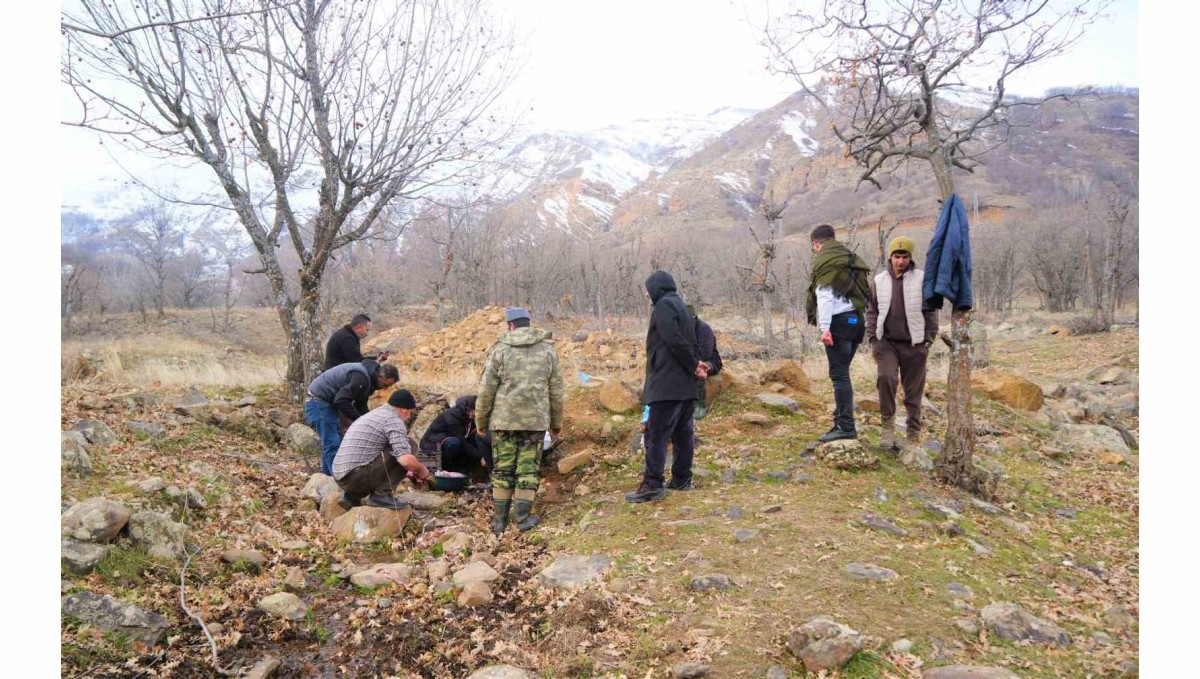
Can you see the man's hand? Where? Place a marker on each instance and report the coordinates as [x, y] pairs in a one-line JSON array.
[[701, 372], [555, 434], [421, 474], [827, 338], [483, 462], [481, 432], [383, 356]]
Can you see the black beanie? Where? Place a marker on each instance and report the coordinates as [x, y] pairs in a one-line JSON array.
[[402, 398]]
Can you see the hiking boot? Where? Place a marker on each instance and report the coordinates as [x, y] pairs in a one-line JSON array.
[[385, 502], [348, 502], [914, 437], [836, 434], [645, 493], [522, 515], [887, 437], [675, 484], [500, 516]]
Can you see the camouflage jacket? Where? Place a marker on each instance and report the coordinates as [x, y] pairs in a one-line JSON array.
[[522, 385]]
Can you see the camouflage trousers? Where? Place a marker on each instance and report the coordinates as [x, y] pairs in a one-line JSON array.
[[517, 456]]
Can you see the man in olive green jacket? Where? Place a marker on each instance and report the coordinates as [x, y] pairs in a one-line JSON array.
[[520, 398]]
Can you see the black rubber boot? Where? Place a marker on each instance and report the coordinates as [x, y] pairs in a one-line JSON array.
[[522, 515], [500, 517]]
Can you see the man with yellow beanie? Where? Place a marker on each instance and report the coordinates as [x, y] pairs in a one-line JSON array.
[[900, 334]]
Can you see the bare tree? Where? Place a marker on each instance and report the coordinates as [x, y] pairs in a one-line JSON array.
[[894, 69], [320, 120], [153, 235]]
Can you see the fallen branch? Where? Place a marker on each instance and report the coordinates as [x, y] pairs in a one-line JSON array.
[[225, 672]]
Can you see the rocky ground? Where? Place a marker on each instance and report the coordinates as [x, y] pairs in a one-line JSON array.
[[197, 538]]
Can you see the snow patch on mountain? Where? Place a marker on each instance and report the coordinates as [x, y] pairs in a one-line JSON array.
[[794, 124]]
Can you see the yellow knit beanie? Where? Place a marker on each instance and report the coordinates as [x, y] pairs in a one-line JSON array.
[[901, 243]]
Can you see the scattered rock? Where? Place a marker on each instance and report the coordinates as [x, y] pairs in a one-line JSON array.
[[914, 457], [318, 487], [250, 557], [959, 589], [79, 558], [778, 475], [264, 669], [1015, 525], [161, 537], [245, 401], [502, 672], [706, 583], [570, 463], [985, 507], [801, 477], [778, 401], [1118, 618], [1112, 375], [744, 534], [962, 606], [437, 570], [869, 571], [456, 543], [475, 594], [880, 495], [1092, 439], [617, 398], [110, 614], [330, 507], [150, 486], [734, 512], [823, 644], [980, 550], [690, 670], [95, 519], [368, 524], [1102, 638], [777, 673], [1008, 621], [382, 574], [1066, 513], [188, 498], [847, 454], [284, 605], [755, 418], [96, 432], [968, 672], [902, 646], [579, 337], [1009, 389], [790, 373], [152, 429], [75, 453], [423, 500], [967, 625], [876, 522], [193, 404], [300, 438], [476, 571], [772, 509], [295, 579], [574, 572], [726, 476]]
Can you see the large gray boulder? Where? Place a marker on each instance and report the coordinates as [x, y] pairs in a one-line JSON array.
[[152, 429], [1091, 439], [109, 614], [193, 404], [572, 571], [778, 402], [382, 574], [80, 557], [95, 519], [846, 454], [96, 432], [302, 439], [1008, 621], [284, 605], [159, 535], [823, 644], [476, 571], [869, 571], [75, 453], [320, 486]]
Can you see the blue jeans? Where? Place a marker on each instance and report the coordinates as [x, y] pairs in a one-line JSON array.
[[323, 417]]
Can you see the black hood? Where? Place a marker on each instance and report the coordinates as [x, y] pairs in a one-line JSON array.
[[465, 403], [658, 284]]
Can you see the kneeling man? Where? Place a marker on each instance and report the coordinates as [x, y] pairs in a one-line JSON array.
[[376, 455]]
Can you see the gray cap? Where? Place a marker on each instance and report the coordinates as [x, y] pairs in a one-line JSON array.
[[512, 313]]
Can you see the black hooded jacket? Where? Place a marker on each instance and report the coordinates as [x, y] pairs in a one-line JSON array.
[[343, 347], [452, 421], [670, 344]]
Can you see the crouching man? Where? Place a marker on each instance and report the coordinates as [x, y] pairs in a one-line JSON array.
[[376, 455]]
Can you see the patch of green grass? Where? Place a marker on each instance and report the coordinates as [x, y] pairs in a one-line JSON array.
[[194, 438], [866, 665], [437, 550], [250, 508], [124, 565]]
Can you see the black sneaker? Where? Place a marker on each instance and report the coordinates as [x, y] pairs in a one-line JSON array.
[[836, 434], [385, 502], [675, 485], [348, 502], [645, 493]]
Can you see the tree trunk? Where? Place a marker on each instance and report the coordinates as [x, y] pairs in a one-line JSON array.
[[954, 465]]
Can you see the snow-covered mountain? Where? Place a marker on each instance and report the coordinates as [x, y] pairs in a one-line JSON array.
[[573, 179]]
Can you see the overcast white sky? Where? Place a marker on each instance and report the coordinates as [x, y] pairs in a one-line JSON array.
[[595, 64]]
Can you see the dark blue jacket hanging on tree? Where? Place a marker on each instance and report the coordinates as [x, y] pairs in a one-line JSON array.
[[948, 261]]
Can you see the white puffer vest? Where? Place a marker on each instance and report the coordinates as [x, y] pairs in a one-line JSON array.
[[913, 280]]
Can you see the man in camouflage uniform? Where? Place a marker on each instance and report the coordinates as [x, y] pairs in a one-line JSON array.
[[520, 397]]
